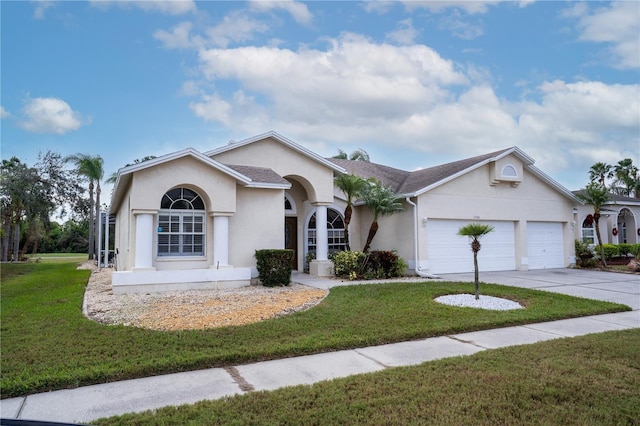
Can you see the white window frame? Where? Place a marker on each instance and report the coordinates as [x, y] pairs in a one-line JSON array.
[[182, 231], [333, 234]]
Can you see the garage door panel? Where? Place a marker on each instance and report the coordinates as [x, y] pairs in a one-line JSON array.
[[545, 245], [451, 253]]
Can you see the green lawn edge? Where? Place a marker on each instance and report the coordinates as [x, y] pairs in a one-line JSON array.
[[589, 380], [47, 344]]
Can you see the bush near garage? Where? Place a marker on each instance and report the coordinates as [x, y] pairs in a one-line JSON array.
[[377, 264]]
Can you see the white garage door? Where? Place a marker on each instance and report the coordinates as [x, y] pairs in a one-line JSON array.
[[545, 245], [451, 253]]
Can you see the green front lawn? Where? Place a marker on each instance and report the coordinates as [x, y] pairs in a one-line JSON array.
[[588, 380], [47, 344]]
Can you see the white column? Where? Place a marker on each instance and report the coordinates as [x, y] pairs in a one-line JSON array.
[[220, 242], [144, 242], [322, 247]]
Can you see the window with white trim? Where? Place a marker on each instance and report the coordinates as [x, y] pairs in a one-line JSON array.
[[181, 224], [509, 171], [335, 231], [588, 232]]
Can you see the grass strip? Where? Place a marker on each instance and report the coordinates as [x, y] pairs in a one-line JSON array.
[[587, 380], [47, 344]]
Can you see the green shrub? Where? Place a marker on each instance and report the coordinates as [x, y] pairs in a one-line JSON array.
[[624, 249], [585, 257], [635, 250], [385, 264], [348, 263], [610, 251], [274, 267], [377, 264]]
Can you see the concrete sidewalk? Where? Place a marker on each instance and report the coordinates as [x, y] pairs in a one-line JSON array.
[[88, 403]]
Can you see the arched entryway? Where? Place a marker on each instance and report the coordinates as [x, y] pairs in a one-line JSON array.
[[626, 227]]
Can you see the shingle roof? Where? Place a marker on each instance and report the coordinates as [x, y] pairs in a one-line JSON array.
[[259, 174], [404, 182]]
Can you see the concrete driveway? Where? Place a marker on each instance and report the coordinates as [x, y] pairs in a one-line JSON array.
[[610, 286]]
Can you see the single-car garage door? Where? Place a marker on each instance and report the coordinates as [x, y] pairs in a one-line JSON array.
[[545, 245], [451, 253]]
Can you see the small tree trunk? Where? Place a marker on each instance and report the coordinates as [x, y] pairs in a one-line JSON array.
[[475, 274], [372, 233], [348, 211], [596, 219], [16, 242]]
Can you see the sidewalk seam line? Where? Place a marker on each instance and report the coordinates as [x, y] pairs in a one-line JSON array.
[[244, 385]]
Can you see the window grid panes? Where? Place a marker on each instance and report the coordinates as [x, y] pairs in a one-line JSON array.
[[335, 231], [181, 224]]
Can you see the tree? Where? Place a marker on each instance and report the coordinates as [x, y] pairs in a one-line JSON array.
[[382, 201], [91, 168], [596, 195], [357, 155], [114, 176], [475, 231], [29, 196], [599, 172], [352, 186], [627, 179]]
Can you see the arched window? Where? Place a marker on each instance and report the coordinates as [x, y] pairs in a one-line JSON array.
[[588, 230], [335, 231], [181, 224], [509, 171]]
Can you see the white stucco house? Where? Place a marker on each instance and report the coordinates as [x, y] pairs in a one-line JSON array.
[[194, 219], [618, 222]]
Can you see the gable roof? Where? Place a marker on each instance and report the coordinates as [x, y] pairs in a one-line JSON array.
[[412, 184], [253, 177], [284, 141], [615, 199]]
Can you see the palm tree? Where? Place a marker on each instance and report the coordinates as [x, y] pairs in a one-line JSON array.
[[599, 172], [91, 168], [475, 231], [352, 186], [357, 155], [596, 195], [627, 178], [382, 201]]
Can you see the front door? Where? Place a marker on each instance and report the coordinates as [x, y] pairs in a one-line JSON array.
[[291, 239]]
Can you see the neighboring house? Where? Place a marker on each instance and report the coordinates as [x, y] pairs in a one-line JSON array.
[[619, 221], [194, 220]]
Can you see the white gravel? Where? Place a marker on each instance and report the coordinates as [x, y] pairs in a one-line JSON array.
[[485, 302]]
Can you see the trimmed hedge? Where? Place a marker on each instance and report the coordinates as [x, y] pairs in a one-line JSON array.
[[274, 266]]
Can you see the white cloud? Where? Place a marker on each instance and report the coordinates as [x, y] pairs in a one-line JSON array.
[[4, 113], [299, 11], [50, 115], [41, 7], [459, 27], [179, 37], [617, 25], [405, 34], [359, 92], [235, 27], [470, 7], [167, 7]]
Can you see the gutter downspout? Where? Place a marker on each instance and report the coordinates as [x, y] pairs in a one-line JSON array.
[[415, 241]]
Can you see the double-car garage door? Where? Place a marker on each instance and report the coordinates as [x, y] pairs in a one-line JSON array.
[[451, 253]]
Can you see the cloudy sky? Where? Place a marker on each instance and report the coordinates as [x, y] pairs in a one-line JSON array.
[[415, 84]]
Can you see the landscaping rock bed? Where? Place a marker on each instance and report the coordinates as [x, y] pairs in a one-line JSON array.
[[195, 309]]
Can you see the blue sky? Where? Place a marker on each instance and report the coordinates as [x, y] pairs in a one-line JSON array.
[[415, 84]]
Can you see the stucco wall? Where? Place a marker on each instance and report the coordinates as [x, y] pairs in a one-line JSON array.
[[215, 187], [316, 178], [471, 197], [257, 224]]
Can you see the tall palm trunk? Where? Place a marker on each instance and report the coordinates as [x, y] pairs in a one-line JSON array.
[[96, 234], [475, 247], [91, 221]]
